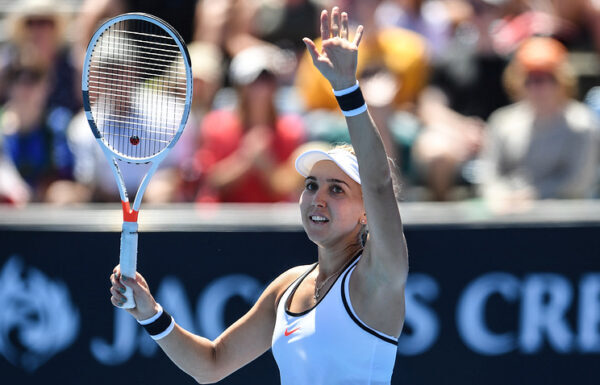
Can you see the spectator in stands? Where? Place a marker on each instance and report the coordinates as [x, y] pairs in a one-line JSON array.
[[179, 14], [178, 178], [13, 189], [545, 146], [573, 22], [465, 88], [281, 22], [429, 18], [37, 39], [34, 140], [241, 149]]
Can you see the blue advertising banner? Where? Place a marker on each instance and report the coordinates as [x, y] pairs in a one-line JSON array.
[[494, 305]]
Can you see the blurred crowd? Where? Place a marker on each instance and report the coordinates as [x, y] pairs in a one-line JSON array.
[[475, 99]]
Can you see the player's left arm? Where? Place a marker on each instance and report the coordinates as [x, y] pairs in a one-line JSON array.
[[385, 253]]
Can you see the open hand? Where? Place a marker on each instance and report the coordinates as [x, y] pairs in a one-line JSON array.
[[338, 57]]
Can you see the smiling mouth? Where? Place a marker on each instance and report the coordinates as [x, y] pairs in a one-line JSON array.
[[318, 219]]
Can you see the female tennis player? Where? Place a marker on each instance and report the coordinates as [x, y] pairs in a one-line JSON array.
[[337, 321]]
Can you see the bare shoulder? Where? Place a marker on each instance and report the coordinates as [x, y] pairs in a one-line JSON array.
[[283, 281]]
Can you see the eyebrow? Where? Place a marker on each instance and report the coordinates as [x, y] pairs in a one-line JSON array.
[[330, 180]]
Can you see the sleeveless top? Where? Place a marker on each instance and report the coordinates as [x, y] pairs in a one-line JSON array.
[[328, 344]]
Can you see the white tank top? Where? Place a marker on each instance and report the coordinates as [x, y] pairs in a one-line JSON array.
[[328, 344]]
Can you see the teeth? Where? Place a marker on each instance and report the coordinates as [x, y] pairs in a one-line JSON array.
[[317, 218]]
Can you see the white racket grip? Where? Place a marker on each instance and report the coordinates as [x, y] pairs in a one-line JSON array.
[[128, 258]]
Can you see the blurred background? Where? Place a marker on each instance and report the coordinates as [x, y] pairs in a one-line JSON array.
[[489, 108]]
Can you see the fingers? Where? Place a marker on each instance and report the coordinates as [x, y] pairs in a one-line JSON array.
[[358, 36], [311, 48], [117, 290], [117, 298], [325, 33], [344, 26], [130, 282], [335, 22], [338, 26]]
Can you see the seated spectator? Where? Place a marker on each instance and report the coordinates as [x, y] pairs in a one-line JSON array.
[[39, 93], [34, 140], [544, 146], [179, 14], [177, 178], [241, 149], [37, 39], [13, 189], [429, 18], [465, 88]]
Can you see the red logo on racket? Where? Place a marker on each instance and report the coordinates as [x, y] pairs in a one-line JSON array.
[[134, 140], [290, 332]]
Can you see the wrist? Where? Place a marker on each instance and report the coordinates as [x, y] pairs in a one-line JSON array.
[[343, 84], [159, 325], [351, 100], [152, 313]]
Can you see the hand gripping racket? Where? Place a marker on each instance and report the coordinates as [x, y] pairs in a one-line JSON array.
[[137, 92]]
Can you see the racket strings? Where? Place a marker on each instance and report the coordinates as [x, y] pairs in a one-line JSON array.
[[137, 87], [140, 67]]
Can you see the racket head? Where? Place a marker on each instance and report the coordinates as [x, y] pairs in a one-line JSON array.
[[137, 86]]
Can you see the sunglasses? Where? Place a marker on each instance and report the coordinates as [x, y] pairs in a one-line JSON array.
[[538, 78], [39, 22]]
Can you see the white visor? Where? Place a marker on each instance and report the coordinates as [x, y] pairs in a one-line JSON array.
[[344, 160]]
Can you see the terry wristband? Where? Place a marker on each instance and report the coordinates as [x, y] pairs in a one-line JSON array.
[[351, 100], [159, 325]]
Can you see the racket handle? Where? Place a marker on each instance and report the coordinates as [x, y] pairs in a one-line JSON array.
[[128, 258]]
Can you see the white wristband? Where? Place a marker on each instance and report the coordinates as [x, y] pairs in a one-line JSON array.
[[346, 91], [159, 325]]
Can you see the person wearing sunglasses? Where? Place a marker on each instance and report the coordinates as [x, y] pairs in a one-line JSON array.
[[545, 145]]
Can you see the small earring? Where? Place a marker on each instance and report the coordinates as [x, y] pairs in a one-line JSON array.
[[363, 221]]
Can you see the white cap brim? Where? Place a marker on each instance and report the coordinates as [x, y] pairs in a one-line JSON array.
[[342, 158]]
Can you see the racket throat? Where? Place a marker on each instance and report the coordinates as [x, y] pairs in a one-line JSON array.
[[129, 215]]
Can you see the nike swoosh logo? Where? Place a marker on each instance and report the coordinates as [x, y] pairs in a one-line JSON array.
[[290, 332]]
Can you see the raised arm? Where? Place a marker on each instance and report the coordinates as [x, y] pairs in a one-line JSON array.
[[385, 250], [205, 360]]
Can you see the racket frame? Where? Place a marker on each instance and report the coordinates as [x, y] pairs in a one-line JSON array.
[[129, 233]]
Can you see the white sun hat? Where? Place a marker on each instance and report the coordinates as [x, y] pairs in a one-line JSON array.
[[342, 158]]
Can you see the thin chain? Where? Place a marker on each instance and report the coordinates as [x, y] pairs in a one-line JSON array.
[[319, 287]]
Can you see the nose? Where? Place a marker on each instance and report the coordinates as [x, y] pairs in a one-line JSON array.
[[319, 199]]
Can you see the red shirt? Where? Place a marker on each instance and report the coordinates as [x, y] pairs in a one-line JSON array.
[[221, 134]]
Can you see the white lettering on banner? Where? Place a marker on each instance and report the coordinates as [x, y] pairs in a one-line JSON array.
[[124, 345], [546, 300], [539, 302], [470, 315], [38, 319], [211, 304], [423, 322], [589, 313], [128, 335]]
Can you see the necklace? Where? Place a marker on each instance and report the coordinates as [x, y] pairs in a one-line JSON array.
[[319, 287]]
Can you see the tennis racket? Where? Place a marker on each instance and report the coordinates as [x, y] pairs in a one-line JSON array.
[[137, 92]]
